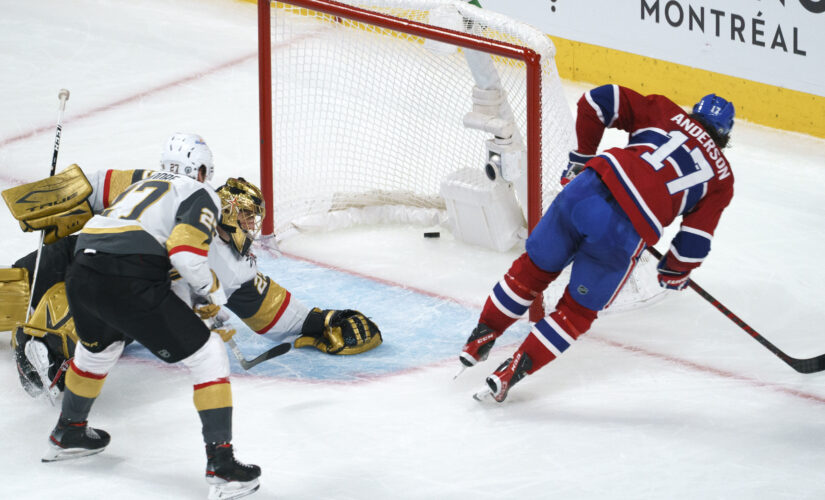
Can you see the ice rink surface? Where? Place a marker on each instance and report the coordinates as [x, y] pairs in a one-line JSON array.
[[671, 401]]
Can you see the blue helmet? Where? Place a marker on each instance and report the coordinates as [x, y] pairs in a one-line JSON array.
[[716, 112]]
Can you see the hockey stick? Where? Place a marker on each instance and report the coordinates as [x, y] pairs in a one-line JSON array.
[[271, 353], [809, 365], [63, 96]]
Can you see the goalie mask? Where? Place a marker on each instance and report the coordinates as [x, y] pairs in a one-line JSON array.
[[185, 154], [242, 212]]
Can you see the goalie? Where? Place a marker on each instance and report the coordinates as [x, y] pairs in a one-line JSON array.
[[48, 340]]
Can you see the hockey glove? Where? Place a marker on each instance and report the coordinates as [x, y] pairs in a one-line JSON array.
[[339, 332], [574, 166], [670, 279], [61, 224], [214, 299]]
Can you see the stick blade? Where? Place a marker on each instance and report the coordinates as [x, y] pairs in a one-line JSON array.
[[812, 365], [276, 351]]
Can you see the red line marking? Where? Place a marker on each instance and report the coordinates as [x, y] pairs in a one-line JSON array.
[[713, 371], [130, 99]]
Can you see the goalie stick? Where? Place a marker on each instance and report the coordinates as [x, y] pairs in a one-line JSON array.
[[63, 96], [266, 355], [809, 365]]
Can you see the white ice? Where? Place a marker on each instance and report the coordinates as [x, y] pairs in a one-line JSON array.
[[672, 401]]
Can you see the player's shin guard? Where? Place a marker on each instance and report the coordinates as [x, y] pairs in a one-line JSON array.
[[509, 300], [547, 340]]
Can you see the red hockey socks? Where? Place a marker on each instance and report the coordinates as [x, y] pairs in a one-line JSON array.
[[553, 334], [512, 296]]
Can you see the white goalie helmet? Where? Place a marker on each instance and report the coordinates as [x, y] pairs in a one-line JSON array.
[[186, 154]]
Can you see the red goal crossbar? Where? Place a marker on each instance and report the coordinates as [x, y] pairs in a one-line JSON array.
[[531, 59]]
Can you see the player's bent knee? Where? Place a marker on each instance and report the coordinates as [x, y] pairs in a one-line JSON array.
[[97, 362], [574, 317], [209, 362], [529, 275]]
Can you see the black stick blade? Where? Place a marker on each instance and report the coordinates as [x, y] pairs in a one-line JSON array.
[[272, 353]]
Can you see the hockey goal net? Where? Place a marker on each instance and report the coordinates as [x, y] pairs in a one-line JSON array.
[[368, 105]]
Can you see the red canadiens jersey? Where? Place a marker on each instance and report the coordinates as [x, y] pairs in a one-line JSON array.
[[670, 167]]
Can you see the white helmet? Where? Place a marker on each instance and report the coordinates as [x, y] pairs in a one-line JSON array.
[[186, 154]]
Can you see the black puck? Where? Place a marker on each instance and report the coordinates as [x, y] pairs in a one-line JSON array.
[[434, 234]]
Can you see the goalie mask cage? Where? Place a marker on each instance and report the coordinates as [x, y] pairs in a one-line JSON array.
[[364, 107]]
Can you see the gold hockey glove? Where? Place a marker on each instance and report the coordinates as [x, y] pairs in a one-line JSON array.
[[14, 297], [225, 332], [339, 332], [215, 298], [57, 226], [49, 196]]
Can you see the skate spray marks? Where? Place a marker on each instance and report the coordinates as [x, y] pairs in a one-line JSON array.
[[418, 329]]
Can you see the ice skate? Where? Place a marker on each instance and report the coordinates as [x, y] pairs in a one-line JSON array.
[[478, 346], [73, 440], [505, 377], [227, 477]]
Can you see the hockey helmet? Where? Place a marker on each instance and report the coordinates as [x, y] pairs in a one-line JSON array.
[[242, 212], [186, 154], [716, 112]]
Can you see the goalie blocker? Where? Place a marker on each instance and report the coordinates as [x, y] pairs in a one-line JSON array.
[[339, 332], [57, 205]]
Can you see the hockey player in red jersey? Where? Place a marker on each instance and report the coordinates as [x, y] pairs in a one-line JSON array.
[[614, 205]]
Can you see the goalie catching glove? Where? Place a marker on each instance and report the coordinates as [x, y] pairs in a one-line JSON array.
[[339, 332]]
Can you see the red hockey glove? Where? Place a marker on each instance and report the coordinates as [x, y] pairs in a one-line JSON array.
[[670, 279], [576, 164]]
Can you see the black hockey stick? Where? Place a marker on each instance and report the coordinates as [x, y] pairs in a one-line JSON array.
[[271, 353], [810, 365], [62, 96]]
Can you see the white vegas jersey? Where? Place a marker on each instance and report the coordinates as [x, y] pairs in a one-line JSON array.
[[264, 305], [163, 214]]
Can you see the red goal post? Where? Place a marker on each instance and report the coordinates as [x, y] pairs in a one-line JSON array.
[[530, 58]]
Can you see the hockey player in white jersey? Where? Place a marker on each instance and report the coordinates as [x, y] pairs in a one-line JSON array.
[[261, 303], [118, 288], [44, 346]]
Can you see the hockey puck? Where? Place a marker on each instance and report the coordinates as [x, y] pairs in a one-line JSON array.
[[434, 234]]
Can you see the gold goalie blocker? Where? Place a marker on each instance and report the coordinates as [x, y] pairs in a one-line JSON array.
[[339, 332], [58, 205]]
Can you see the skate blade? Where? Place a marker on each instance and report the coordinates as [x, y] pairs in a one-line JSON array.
[[57, 454], [233, 489], [483, 395]]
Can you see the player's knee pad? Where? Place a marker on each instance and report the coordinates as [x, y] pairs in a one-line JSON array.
[[88, 370], [528, 278], [513, 295], [209, 362], [97, 362], [572, 316]]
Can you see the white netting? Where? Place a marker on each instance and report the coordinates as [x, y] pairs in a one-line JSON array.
[[368, 117]]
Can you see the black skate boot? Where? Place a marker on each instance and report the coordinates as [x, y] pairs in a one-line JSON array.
[[478, 346], [507, 375], [227, 477], [74, 439]]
